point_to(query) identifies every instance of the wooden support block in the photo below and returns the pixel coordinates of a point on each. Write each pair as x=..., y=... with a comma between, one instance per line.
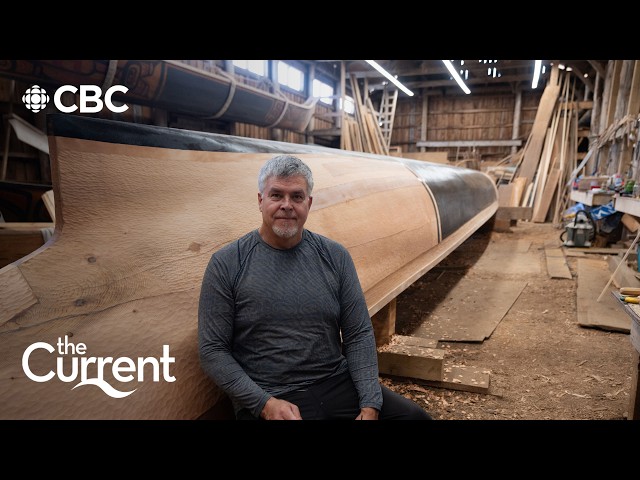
x=502, y=225
x=384, y=323
x=463, y=377
x=514, y=213
x=406, y=360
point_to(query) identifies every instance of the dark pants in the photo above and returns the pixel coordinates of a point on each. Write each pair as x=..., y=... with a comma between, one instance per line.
x=337, y=399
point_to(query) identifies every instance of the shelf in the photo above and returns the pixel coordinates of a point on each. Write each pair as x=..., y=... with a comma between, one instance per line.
x=591, y=199
x=628, y=205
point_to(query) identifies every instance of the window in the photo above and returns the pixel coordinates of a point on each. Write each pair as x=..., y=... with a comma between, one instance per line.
x=290, y=77
x=349, y=105
x=259, y=67
x=323, y=91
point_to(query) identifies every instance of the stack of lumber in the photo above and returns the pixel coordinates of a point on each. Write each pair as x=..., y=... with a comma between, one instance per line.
x=362, y=133
x=549, y=155
x=549, y=164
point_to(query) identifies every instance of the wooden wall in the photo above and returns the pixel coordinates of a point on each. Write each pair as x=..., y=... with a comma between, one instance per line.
x=465, y=117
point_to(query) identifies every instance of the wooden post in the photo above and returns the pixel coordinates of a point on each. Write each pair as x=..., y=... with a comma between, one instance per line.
x=340, y=119
x=384, y=323
x=309, y=88
x=517, y=109
x=595, y=119
x=634, y=401
x=423, y=125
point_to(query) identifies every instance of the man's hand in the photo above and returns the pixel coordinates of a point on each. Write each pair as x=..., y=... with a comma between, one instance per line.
x=368, y=413
x=276, y=409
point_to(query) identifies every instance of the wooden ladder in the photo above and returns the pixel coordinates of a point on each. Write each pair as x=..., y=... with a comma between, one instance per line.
x=387, y=113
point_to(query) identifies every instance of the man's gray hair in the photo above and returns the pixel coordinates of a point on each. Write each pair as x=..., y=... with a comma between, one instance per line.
x=285, y=166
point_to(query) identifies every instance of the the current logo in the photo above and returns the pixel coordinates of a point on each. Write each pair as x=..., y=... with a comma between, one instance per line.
x=90, y=99
x=78, y=367
x=35, y=98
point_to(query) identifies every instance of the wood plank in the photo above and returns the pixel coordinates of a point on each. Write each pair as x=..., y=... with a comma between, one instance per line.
x=550, y=188
x=539, y=130
x=469, y=143
x=505, y=195
x=435, y=157
x=33, y=227
x=411, y=361
x=593, y=275
x=596, y=250
x=556, y=263
x=472, y=313
x=465, y=378
x=15, y=294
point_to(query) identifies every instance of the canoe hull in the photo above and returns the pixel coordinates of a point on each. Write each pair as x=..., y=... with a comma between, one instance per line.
x=140, y=210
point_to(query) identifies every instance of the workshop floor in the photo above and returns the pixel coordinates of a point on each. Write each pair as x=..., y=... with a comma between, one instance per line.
x=541, y=363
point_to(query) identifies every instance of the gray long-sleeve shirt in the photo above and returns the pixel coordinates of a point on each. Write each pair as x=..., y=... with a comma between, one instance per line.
x=271, y=321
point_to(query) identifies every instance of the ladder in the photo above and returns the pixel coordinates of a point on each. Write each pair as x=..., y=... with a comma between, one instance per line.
x=387, y=113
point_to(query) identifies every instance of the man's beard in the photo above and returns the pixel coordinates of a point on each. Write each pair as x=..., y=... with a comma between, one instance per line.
x=286, y=232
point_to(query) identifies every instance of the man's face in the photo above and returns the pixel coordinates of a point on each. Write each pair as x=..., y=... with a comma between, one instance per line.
x=285, y=206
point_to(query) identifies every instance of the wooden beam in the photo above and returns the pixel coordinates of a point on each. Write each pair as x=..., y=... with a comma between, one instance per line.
x=597, y=67
x=583, y=105
x=410, y=357
x=546, y=108
x=423, y=124
x=470, y=143
x=384, y=323
x=517, y=109
x=633, y=107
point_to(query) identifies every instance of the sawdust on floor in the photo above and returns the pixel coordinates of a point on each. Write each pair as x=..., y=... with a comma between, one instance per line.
x=543, y=365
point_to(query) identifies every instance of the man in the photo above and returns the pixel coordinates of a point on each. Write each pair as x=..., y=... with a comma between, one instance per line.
x=283, y=325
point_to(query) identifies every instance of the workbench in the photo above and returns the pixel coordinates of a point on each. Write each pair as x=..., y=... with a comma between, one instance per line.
x=633, y=310
x=628, y=205
x=588, y=197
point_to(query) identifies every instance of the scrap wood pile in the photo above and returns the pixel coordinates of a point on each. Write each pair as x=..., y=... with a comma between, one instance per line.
x=362, y=133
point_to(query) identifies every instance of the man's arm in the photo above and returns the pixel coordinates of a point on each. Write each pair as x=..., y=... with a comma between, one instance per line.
x=359, y=342
x=215, y=333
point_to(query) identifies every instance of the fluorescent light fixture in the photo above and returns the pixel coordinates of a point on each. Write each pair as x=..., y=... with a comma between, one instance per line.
x=391, y=78
x=455, y=75
x=536, y=74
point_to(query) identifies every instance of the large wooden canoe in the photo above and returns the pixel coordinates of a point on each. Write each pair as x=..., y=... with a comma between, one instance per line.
x=139, y=211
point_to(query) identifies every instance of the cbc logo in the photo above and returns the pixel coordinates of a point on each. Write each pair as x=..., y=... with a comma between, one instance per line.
x=36, y=99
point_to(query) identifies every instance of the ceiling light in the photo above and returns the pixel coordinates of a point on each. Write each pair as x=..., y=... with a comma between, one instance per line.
x=395, y=81
x=455, y=75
